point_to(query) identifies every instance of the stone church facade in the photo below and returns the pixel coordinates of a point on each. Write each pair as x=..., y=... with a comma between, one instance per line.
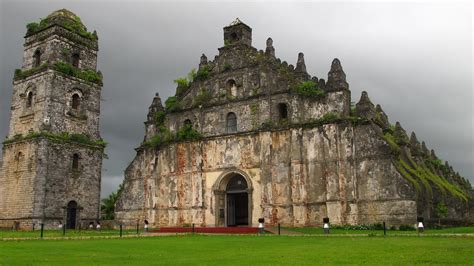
x=249, y=136
x=52, y=156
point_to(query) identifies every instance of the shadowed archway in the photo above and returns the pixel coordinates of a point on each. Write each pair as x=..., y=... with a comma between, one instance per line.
x=233, y=197
x=71, y=215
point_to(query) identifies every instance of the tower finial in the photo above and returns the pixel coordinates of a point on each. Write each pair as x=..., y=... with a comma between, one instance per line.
x=270, y=50
x=365, y=108
x=336, y=77
x=202, y=61
x=300, y=65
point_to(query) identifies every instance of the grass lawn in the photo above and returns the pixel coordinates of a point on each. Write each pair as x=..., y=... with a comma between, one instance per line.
x=59, y=233
x=319, y=231
x=242, y=250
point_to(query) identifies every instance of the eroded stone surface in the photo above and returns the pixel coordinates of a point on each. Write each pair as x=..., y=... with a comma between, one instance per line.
x=300, y=164
x=38, y=179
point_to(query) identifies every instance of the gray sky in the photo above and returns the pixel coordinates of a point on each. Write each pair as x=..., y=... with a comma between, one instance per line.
x=415, y=60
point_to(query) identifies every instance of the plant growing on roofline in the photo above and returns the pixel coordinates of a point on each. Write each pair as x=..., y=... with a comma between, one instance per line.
x=59, y=137
x=74, y=25
x=63, y=67
x=309, y=89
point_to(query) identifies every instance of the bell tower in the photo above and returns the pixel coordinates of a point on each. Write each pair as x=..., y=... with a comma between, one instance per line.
x=52, y=157
x=238, y=33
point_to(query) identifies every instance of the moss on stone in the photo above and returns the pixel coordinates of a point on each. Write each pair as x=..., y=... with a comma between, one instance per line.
x=72, y=23
x=59, y=137
x=87, y=74
x=202, y=98
x=309, y=89
x=172, y=104
x=388, y=137
x=21, y=74
x=407, y=176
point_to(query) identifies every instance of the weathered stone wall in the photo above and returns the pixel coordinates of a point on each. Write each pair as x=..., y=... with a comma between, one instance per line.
x=320, y=159
x=58, y=44
x=51, y=107
x=17, y=182
x=298, y=176
x=38, y=180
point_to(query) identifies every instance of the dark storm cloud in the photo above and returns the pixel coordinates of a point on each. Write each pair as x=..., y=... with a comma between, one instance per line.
x=413, y=59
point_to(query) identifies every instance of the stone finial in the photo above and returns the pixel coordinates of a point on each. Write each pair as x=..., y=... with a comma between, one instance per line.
x=336, y=77
x=291, y=67
x=203, y=61
x=365, y=108
x=381, y=118
x=433, y=154
x=425, y=150
x=270, y=50
x=236, y=22
x=155, y=106
x=300, y=65
x=400, y=134
x=322, y=84
x=414, y=144
x=413, y=139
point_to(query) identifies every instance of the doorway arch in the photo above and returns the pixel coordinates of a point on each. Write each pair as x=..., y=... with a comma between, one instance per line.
x=237, y=203
x=233, y=194
x=71, y=215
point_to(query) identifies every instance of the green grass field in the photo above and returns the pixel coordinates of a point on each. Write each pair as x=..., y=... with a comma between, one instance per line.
x=58, y=233
x=319, y=231
x=242, y=250
x=305, y=230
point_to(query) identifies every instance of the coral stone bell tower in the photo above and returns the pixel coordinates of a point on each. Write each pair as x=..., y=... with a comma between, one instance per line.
x=52, y=156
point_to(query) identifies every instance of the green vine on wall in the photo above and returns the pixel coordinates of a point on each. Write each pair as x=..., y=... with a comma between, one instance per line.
x=59, y=137
x=421, y=171
x=309, y=89
x=74, y=25
x=63, y=67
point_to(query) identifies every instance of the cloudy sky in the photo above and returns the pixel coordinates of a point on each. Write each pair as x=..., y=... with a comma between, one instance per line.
x=413, y=59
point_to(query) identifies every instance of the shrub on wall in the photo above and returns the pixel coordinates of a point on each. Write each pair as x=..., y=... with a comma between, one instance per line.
x=309, y=89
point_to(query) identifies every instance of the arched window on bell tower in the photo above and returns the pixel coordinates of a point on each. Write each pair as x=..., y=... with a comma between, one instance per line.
x=37, y=58
x=188, y=123
x=282, y=111
x=231, y=123
x=75, y=161
x=29, y=99
x=75, y=60
x=231, y=88
x=75, y=101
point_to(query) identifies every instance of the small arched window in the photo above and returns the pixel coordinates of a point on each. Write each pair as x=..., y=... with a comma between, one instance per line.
x=75, y=161
x=234, y=36
x=75, y=60
x=29, y=99
x=76, y=101
x=232, y=87
x=18, y=161
x=188, y=122
x=282, y=111
x=37, y=58
x=231, y=123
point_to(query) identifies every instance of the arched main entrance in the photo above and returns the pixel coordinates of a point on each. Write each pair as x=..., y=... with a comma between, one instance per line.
x=71, y=212
x=237, y=201
x=233, y=199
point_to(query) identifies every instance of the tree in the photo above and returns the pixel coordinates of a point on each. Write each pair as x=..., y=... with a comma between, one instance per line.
x=107, y=206
x=441, y=211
